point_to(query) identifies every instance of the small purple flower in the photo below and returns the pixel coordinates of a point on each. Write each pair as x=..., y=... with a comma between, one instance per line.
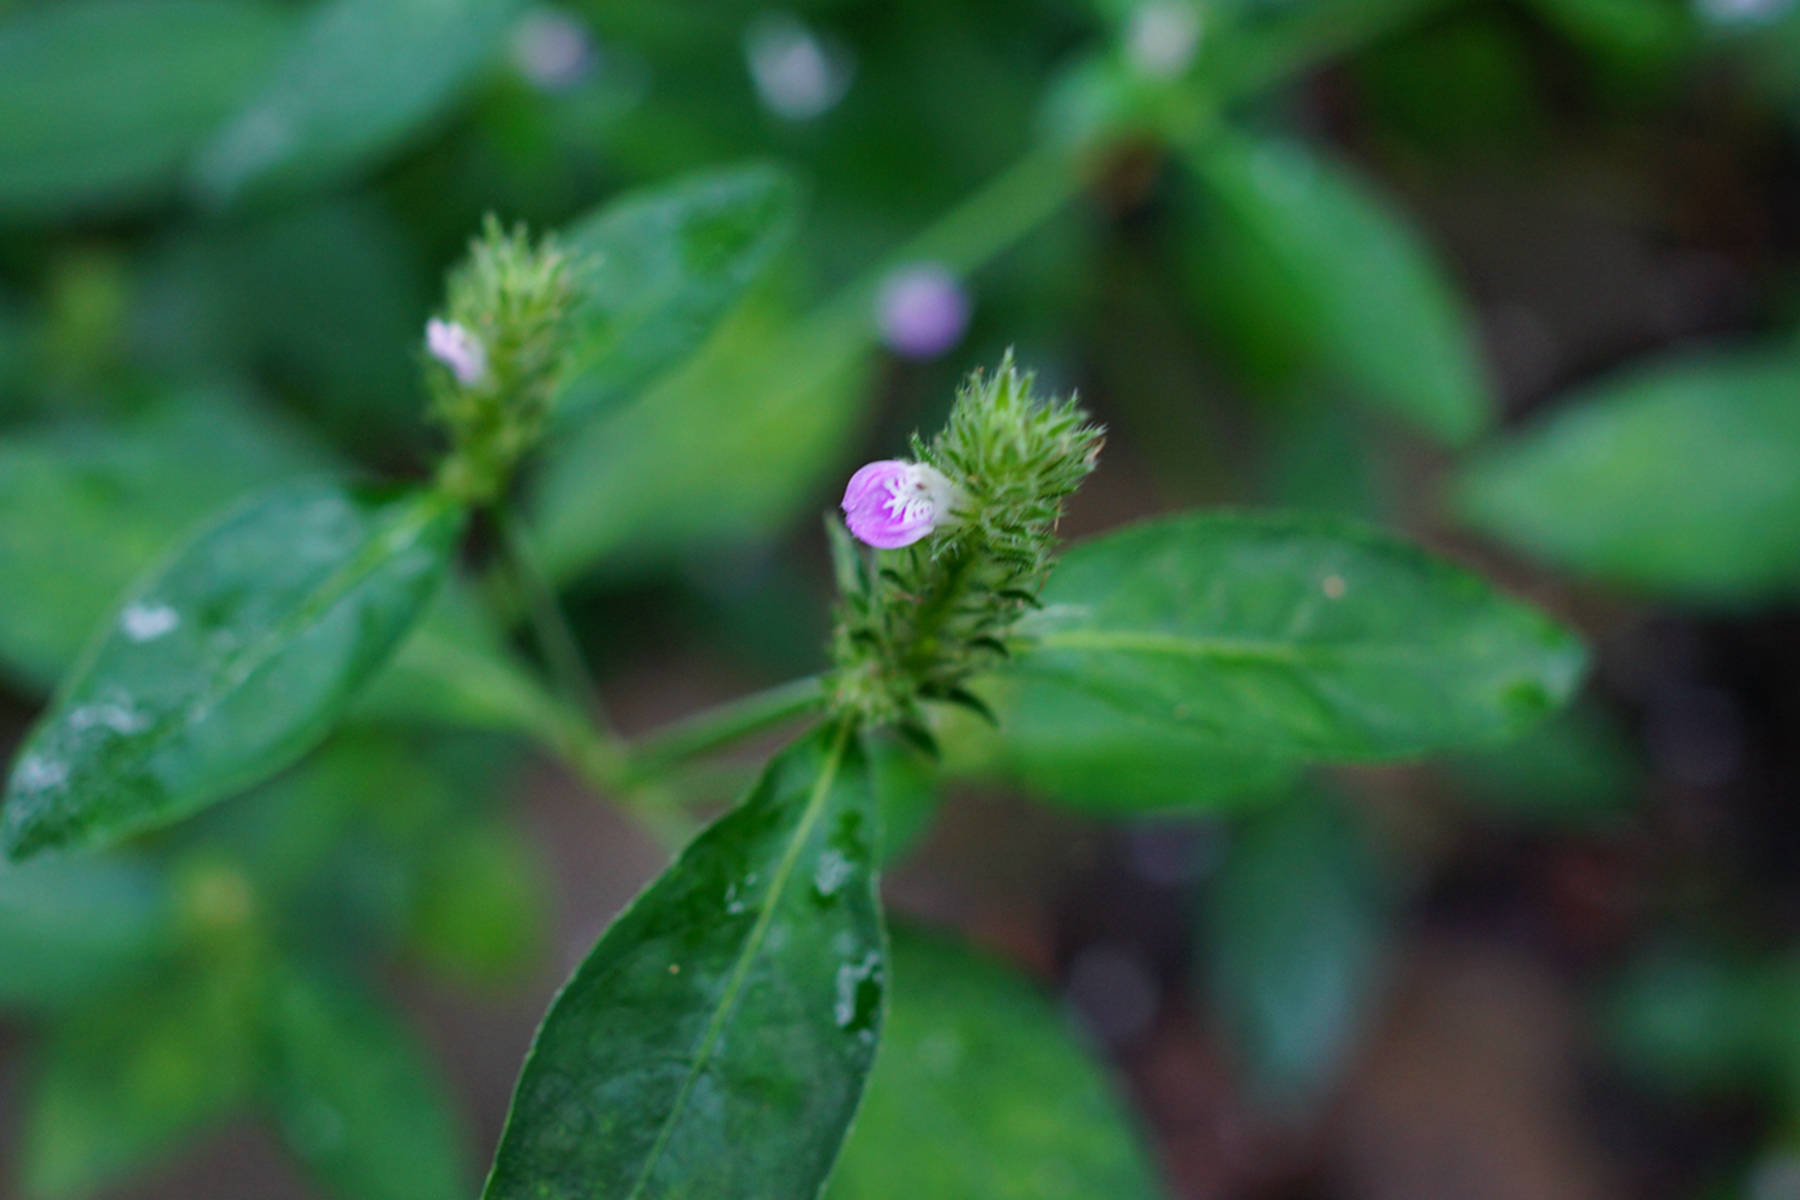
x=894, y=503
x=457, y=349
x=922, y=311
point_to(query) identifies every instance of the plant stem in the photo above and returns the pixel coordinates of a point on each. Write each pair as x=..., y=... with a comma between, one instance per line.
x=550, y=628
x=726, y=723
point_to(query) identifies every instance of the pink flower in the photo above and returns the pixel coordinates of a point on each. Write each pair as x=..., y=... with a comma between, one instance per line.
x=457, y=349
x=894, y=503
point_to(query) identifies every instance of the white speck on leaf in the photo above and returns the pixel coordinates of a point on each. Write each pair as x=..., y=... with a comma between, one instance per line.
x=147, y=622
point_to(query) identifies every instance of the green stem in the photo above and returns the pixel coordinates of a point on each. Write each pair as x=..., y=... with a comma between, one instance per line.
x=550, y=628
x=720, y=726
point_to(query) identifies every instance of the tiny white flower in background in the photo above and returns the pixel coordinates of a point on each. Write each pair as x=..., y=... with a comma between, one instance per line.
x=457, y=349
x=552, y=49
x=797, y=74
x=921, y=311
x=1161, y=37
x=1742, y=12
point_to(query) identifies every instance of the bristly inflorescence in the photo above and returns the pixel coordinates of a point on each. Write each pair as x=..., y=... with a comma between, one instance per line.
x=916, y=623
x=499, y=350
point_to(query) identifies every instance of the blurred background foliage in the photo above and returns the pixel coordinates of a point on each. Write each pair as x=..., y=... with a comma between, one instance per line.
x=1520, y=277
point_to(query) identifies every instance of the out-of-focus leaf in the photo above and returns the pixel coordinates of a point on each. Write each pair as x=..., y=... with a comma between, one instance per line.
x=329, y=299
x=907, y=794
x=1297, y=923
x=483, y=908
x=1690, y=1020
x=1353, y=282
x=716, y=1040
x=1085, y=753
x=719, y=453
x=354, y=1097
x=101, y=101
x=1678, y=479
x=1645, y=34
x=1575, y=769
x=658, y=269
x=230, y=661
x=982, y=1090
x=358, y=79
x=1293, y=635
x=69, y=929
x=121, y=1085
x=84, y=510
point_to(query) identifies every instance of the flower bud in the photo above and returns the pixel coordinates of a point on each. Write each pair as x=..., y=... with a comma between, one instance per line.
x=457, y=349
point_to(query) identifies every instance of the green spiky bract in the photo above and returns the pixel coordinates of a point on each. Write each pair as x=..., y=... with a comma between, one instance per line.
x=915, y=624
x=515, y=297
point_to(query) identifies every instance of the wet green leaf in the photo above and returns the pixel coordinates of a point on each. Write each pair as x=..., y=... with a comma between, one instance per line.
x=85, y=509
x=228, y=662
x=1677, y=478
x=358, y=79
x=1347, y=277
x=658, y=269
x=982, y=1090
x=101, y=101
x=354, y=1097
x=716, y=1040
x=1297, y=924
x=1294, y=635
x=72, y=928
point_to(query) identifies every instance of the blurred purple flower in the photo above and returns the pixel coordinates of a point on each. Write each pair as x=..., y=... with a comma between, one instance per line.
x=552, y=49
x=894, y=503
x=457, y=349
x=922, y=311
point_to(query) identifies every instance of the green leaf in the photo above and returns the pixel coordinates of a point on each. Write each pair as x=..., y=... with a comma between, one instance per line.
x=483, y=905
x=360, y=78
x=981, y=1090
x=907, y=794
x=716, y=1041
x=1347, y=277
x=1677, y=479
x=1297, y=923
x=1082, y=752
x=718, y=453
x=354, y=1097
x=1294, y=635
x=75, y=927
x=101, y=101
x=658, y=269
x=122, y=1085
x=84, y=510
x=1575, y=770
x=227, y=663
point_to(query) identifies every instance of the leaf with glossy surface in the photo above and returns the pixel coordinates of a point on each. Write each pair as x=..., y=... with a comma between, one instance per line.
x=716, y=1040
x=981, y=1090
x=101, y=101
x=360, y=77
x=1348, y=278
x=85, y=509
x=229, y=662
x=1298, y=921
x=72, y=928
x=1084, y=753
x=354, y=1097
x=1294, y=635
x=658, y=269
x=1677, y=479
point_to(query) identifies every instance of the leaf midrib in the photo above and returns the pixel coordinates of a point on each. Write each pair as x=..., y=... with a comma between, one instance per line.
x=815, y=804
x=1178, y=645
